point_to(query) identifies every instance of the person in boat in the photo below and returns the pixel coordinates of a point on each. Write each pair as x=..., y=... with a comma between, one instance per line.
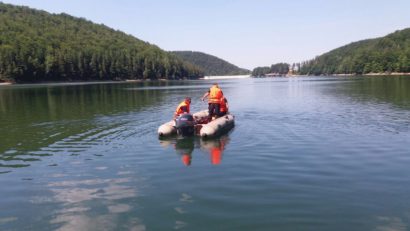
x=183, y=107
x=223, y=110
x=214, y=95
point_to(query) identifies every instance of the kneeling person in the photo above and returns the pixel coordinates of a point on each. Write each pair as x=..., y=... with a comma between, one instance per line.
x=183, y=107
x=223, y=107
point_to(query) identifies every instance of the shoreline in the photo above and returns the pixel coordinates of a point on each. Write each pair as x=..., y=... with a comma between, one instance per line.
x=81, y=82
x=387, y=74
x=164, y=80
x=376, y=74
x=341, y=75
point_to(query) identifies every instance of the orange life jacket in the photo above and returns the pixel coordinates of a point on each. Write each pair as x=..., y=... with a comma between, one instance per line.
x=179, y=109
x=224, y=106
x=215, y=94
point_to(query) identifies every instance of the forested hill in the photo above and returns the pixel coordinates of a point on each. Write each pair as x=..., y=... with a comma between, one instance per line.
x=39, y=46
x=381, y=55
x=210, y=64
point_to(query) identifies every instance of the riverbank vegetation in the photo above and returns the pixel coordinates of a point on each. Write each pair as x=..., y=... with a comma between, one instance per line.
x=38, y=46
x=275, y=69
x=389, y=55
x=210, y=64
x=386, y=55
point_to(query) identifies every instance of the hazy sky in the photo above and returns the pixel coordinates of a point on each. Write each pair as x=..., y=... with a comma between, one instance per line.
x=247, y=33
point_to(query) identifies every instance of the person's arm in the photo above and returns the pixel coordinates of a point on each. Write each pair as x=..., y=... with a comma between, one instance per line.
x=205, y=95
x=176, y=113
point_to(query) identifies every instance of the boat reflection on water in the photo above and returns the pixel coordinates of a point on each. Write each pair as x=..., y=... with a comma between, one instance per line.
x=185, y=146
x=215, y=148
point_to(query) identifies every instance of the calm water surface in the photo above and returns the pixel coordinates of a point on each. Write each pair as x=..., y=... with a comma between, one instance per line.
x=306, y=154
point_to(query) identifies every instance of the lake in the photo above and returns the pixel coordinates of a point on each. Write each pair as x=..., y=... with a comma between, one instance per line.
x=306, y=153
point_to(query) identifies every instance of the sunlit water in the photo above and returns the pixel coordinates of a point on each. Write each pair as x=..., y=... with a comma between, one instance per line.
x=305, y=154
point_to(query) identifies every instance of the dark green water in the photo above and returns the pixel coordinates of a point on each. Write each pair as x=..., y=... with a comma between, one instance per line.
x=306, y=154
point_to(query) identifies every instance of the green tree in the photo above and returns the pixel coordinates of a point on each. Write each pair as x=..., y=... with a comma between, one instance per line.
x=38, y=46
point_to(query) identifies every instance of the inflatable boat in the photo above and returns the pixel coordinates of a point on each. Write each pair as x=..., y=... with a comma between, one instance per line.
x=197, y=124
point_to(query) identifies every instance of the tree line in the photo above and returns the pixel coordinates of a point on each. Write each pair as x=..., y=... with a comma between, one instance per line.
x=210, y=64
x=381, y=55
x=39, y=46
x=278, y=69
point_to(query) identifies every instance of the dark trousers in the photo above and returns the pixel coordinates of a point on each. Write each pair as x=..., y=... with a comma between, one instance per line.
x=213, y=109
x=222, y=114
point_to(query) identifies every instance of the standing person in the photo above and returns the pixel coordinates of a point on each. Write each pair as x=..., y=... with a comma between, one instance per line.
x=214, y=95
x=183, y=107
x=223, y=107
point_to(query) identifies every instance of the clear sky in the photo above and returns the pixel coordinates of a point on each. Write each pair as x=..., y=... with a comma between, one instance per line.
x=247, y=33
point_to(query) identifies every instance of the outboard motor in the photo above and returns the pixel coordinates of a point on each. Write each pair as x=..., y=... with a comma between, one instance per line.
x=185, y=125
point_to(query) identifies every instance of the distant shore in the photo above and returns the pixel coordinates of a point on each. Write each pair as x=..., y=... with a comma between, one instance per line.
x=387, y=74
x=375, y=74
x=226, y=77
x=118, y=81
x=205, y=78
x=86, y=82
